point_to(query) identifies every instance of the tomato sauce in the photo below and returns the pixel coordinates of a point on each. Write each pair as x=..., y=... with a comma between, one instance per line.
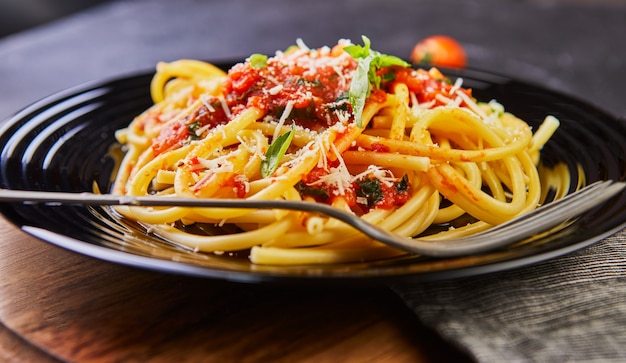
x=315, y=83
x=360, y=200
x=309, y=88
x=392, y=196
x=427, y=85
x=172, y=135
x=240, y=185
x=378, y=147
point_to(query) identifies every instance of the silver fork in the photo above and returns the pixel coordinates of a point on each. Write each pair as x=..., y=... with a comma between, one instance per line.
x=539, y=220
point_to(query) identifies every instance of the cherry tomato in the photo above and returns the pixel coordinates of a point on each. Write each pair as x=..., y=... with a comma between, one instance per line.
x=439, y=51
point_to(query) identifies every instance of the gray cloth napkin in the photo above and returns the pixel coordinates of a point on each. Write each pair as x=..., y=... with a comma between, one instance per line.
x=570, y=309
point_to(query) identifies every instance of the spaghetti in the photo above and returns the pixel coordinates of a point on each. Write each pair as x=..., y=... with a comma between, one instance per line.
x=403, y=148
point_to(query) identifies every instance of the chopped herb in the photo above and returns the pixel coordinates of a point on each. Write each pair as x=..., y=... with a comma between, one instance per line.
x=258, y=61
x=275, y=153
x=338, y=106
x=320, y=194
x=192, y=128
x=403, y=185
x=278, y=111
x=369, y=189
x=302, y=113
x=369, y=61
x=341, y=103
x=305, y=82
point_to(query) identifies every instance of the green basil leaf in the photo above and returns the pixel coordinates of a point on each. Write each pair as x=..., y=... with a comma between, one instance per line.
x=386, y=60
x=192, y=128
x=357, y=51
x=369, y=61
x=275, y=152
x=359, y=90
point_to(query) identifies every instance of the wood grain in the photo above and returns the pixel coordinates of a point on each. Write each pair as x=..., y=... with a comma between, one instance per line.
x=59, y=305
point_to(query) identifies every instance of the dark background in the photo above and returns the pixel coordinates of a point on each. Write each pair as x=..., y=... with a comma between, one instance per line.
x=16, y=15
x=577, y=47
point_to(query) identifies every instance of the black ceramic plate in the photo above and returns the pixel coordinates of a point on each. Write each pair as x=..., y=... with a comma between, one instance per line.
x=66, y=143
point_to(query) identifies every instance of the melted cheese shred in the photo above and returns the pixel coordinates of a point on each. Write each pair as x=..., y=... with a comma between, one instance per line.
x=457, y=157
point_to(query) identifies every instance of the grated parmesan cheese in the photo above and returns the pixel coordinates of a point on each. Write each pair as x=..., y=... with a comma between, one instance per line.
x=283, y=118
x=275, y=90
x=471, y=104
x=384, y=176
x=301, y=45
x=457, y=85
x=205, y=101
x=338, y=177
x=225, y=106
x=219, y=164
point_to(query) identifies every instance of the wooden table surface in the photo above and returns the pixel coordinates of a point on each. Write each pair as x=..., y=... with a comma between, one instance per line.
x=58, y=305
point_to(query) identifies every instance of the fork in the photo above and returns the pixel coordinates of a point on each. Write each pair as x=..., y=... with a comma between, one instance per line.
x=517, y=229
